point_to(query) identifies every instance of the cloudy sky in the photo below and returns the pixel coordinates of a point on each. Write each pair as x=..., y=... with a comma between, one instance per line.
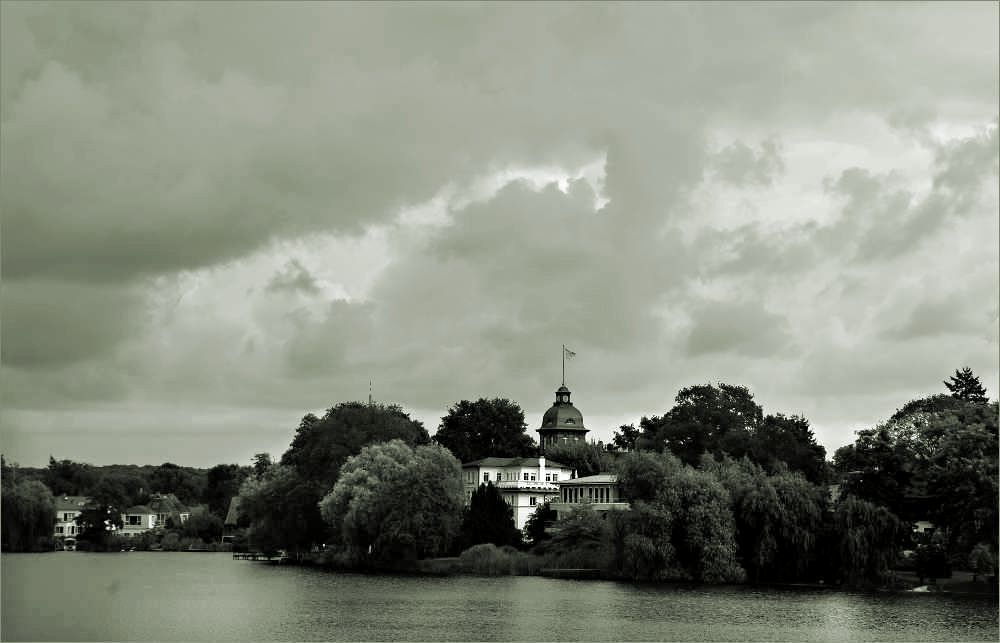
x=219, y=217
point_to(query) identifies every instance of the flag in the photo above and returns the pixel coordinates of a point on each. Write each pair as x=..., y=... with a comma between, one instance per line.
x=569, y=353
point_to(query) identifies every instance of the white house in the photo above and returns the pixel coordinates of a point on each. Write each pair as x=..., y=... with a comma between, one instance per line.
x=600, y=492
x=67, y=509
x=524, y=483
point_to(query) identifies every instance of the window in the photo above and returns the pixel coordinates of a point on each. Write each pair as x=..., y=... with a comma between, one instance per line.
x=525, y=476
x=499, y=476
x=486, y=476
x=67, y=517
x=555, y=477
x=59, y=529
x=533, y=477
x=133, y=520
x=532, y=501
x=548, y=477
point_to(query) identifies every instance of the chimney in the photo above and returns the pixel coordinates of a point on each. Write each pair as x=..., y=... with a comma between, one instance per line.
x=541, y=468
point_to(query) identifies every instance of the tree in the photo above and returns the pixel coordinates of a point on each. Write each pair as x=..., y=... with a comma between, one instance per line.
x=98, y=524
x=68, y=478
x=204, y=525
x=28, y=515
x=475, y=430
x=489, y=519
x=964, y=385
x=393, y=502
x=222, y=482
x=625, y=438
x=704, y=418
x=866, y=541
x=283, y=501
x=535, y=529
x=184, y=482
x=787, y=440
x=586, y=458
x=982, y=561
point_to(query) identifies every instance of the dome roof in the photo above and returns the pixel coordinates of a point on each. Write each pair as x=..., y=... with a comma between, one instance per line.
x=562, y=415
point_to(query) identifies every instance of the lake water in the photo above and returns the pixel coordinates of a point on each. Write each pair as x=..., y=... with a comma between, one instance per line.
x=77, y=596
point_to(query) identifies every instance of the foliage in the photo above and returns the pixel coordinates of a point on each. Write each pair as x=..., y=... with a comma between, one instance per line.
x=487, y=427
x=186, y=483
x=98, y=525
x=867, y=537
x=932, y=561
x=203, y=525
x=222, y=482
x=982, y=560
x=586, y=458
x=68, y=478
x=281, y=509
x=282, y=501
x=642, y=474
x=624, y=438
x=777, y=517
x=964, y=385
x=489, y=519
x=935, y=459
x=393, y=502
x=487, y=559
x=28, y=515
x=580, y=540
x=535, y=527
x=725, y=419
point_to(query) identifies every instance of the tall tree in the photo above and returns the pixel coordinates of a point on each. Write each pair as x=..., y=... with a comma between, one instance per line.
x=28, y=515
x=222, y=482
x=586, y=458
x=489, y=519
x=65, y=477
x=964, y=385
x=475, y=430
x=705, y=418
x=393, y=502
x=625, y=438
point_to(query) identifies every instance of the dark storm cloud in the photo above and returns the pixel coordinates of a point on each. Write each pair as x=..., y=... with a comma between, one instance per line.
x=294, y=277
x=155, y=157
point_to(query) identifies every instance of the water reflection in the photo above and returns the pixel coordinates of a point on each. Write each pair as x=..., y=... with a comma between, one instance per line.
x=197, y=597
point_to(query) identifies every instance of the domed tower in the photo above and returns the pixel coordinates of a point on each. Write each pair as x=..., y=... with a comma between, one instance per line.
x=562, y=422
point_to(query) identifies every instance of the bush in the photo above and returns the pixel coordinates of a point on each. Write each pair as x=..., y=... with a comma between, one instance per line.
x=489, y=560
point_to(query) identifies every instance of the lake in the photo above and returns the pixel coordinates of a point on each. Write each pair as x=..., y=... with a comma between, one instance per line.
x=77, y=596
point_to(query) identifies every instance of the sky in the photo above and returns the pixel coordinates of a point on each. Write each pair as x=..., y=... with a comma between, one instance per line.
x=217, y=218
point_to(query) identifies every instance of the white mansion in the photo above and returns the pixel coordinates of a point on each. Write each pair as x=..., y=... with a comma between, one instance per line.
x=526, y=483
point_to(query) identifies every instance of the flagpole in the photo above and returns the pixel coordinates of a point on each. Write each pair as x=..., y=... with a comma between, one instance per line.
x=564, y=365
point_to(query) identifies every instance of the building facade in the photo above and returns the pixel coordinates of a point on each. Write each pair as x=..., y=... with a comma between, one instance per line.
x=599, y=492
x=524, y=483
x=67, y=509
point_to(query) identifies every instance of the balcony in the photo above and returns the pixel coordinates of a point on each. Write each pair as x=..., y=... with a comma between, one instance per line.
x=528, y=485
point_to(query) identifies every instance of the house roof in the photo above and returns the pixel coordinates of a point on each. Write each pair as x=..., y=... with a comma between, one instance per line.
x=600, y=478
x=139, y=509
x=233, y=515
x=71, y=503
x=512, y=462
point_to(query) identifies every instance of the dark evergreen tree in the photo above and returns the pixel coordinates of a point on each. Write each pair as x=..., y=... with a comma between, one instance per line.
x=534, y=528
x=489, y=519
x=475, y=430
x=964, y=385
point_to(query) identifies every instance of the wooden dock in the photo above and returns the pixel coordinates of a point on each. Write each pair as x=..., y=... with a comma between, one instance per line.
x=258, y=555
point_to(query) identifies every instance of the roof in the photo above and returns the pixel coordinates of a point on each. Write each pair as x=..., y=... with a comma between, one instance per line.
x=562, y=415
x=233, y=515
x=600, y=478
x=71, y=503
x=139, y=509
x=512, y=462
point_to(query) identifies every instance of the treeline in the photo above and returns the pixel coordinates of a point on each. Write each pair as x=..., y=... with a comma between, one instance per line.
x=30, y=496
